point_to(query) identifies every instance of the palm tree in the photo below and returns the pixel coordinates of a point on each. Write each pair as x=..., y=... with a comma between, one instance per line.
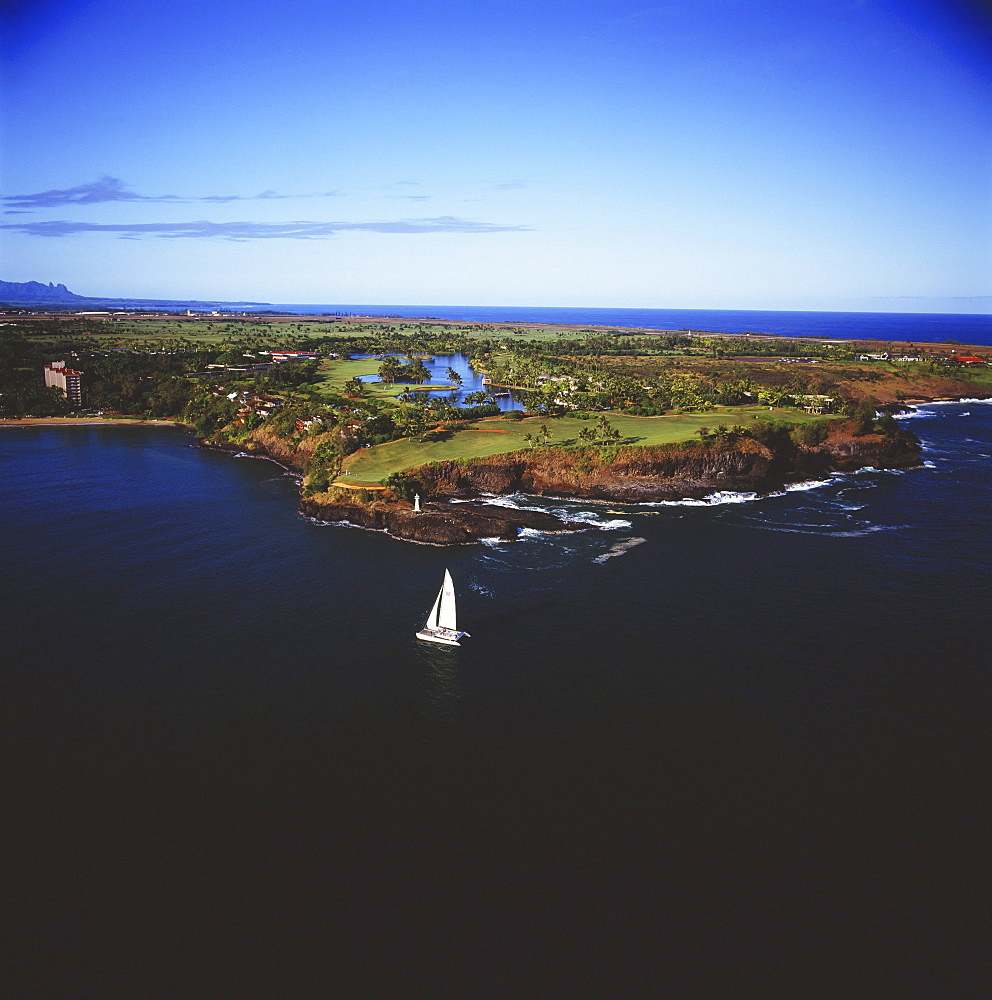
x=529, y=438
x=389, y=369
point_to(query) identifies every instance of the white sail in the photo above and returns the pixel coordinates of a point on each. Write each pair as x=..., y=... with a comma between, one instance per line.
x=446, y=613
x=440, y=626
x=432, y=617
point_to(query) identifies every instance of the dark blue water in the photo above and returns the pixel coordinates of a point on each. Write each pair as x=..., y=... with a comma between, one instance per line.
x=471, y=380
x=723, y=747
x=965, y=328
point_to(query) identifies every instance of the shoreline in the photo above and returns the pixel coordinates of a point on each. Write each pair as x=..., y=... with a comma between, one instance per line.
x=88, y=422
x=460, y=510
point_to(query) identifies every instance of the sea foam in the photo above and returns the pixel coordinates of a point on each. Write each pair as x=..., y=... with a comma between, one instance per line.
x=619, y=549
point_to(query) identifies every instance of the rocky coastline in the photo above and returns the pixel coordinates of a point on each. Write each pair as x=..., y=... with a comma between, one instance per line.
x=640, y=475
x=647, y=475
x=440, y=522
x=454, y=512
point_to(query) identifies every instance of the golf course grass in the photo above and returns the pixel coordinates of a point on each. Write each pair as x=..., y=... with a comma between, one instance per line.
x=495, y=435
x=336, y=373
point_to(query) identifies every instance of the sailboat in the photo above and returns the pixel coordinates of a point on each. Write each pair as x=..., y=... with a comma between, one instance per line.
x=440, y=625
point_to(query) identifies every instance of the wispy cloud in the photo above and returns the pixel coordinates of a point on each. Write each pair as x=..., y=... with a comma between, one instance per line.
x=108, y=189
x=947, y=298
x=259, y=230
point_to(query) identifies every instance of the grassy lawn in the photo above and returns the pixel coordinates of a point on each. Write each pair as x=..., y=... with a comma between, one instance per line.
x=336, y=373
x=372, y=465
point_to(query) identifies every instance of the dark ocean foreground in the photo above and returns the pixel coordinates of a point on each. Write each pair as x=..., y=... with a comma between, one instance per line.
x=727, y=749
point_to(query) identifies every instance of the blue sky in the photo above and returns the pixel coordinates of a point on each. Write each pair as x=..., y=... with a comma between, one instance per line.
x=767, y=154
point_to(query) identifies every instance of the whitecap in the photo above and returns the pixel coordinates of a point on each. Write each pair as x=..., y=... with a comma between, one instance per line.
x=590, y=517
x=619, y=549
x=868, y=530
x=722, y=497
x=507, y=501
x=871, y=468
x=808, y=484
x=712, y=500
x=728, y=496
x=587, y=517
x=855, y=533
x=958, y=402
x=924, y=409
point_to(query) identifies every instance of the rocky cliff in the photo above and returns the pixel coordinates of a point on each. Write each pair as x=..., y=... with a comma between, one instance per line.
x=439, y=523
x=624, y=475
x=637, y=475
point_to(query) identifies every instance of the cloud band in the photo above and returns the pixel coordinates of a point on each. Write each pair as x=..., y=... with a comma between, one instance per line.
x=259, y=230
x=108, y=189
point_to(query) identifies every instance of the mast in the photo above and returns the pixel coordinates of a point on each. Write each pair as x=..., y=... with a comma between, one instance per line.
x=446, y=612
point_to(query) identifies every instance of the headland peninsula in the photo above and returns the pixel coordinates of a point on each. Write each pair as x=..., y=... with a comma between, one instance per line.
x=379, y=416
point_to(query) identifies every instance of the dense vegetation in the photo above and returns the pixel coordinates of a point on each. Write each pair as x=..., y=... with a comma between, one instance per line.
x=217, y=374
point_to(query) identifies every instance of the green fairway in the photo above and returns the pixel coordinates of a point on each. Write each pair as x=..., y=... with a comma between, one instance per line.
x=336, y=373
x=496, y=435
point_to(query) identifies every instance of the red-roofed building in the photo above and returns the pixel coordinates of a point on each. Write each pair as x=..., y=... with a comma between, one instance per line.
x=971, y=359
x=66, y=379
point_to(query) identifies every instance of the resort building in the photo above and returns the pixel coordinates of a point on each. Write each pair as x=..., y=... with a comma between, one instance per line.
x=66, y=379
x=281, y=356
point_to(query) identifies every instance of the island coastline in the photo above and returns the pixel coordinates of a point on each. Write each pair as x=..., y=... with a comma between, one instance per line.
x=454, y=510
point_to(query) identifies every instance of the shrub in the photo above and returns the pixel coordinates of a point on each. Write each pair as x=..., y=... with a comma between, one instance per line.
x=403, y=486
x=864, y=418
x=812, y=434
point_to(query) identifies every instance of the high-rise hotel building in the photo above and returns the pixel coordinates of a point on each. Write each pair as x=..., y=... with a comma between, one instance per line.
x=66, y=379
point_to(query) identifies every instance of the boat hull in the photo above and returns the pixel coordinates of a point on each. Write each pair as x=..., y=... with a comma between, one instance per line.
x=446, y=637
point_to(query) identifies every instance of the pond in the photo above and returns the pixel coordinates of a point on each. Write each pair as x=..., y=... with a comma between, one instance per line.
x=438, y=366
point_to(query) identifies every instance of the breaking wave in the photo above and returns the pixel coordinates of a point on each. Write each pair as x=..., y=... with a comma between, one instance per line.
x=924, y=410
x=520, y=501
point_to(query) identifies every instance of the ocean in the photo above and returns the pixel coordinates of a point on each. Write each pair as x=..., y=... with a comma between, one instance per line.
x=923, y=328
x=721, y=748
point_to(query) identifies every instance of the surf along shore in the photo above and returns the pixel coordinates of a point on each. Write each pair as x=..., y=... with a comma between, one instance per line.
x=454, y=511
x=437, y=524
x=665, y=447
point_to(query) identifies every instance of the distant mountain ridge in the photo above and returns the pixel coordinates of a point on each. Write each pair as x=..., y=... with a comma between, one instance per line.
x=36, y=293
